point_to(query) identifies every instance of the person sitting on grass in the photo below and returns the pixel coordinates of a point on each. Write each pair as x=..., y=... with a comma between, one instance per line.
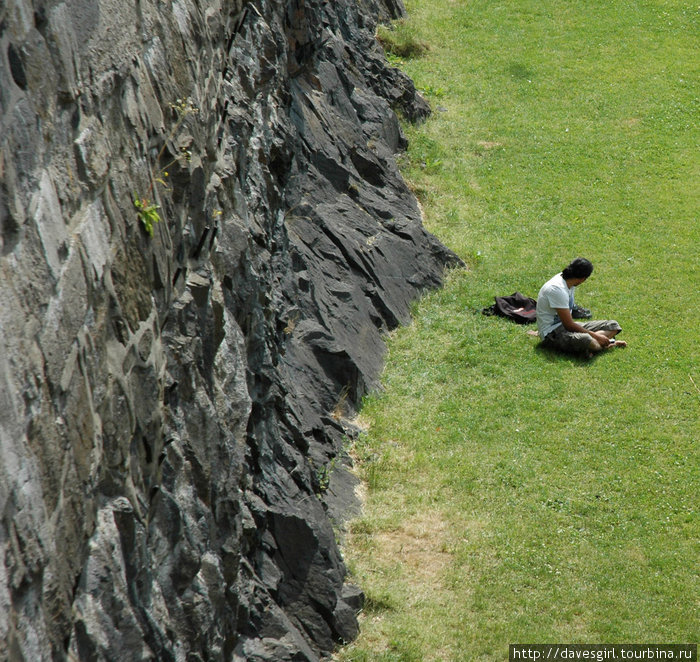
x=555, y=323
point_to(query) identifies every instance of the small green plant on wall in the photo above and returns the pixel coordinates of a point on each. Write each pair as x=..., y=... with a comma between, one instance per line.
x=323, y=475
x=147, y=213
x=146, y=209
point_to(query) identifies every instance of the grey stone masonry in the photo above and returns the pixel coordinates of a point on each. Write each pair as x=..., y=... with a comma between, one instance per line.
x=175, y=403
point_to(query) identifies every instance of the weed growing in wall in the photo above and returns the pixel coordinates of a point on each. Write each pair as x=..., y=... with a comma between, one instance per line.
x=147, y=213
x=146, y=209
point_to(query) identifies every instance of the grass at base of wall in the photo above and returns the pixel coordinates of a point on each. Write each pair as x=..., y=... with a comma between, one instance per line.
x=515, y=495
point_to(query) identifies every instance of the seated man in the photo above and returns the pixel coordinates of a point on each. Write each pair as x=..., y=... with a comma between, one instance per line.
x=557, y=327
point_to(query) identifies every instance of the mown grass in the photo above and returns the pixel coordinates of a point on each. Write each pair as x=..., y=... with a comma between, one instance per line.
x=515, y=495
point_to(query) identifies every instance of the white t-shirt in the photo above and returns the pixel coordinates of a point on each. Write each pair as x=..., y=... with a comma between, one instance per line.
x=554, y=294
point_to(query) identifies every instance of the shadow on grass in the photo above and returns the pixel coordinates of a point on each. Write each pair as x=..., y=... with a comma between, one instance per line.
x=555, y=356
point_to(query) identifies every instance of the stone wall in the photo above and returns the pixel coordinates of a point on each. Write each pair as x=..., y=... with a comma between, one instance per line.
x=174, y=407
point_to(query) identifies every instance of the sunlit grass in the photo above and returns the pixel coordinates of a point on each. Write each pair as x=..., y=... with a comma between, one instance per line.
x=515, y=495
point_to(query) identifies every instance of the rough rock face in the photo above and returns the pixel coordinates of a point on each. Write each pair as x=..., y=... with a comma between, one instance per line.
x=173, y=408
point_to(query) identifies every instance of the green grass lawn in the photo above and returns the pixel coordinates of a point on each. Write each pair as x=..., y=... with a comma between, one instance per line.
x=517, y=496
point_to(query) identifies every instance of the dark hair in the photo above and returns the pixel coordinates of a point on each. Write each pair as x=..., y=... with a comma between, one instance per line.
x=579, y=268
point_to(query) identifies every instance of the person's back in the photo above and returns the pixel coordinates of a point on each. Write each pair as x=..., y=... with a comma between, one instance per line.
x=553, y=294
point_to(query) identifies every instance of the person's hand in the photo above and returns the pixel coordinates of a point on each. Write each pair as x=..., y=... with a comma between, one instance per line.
x=602, y=339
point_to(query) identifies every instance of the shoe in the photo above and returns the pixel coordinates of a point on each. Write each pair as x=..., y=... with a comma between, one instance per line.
x=579, y=313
